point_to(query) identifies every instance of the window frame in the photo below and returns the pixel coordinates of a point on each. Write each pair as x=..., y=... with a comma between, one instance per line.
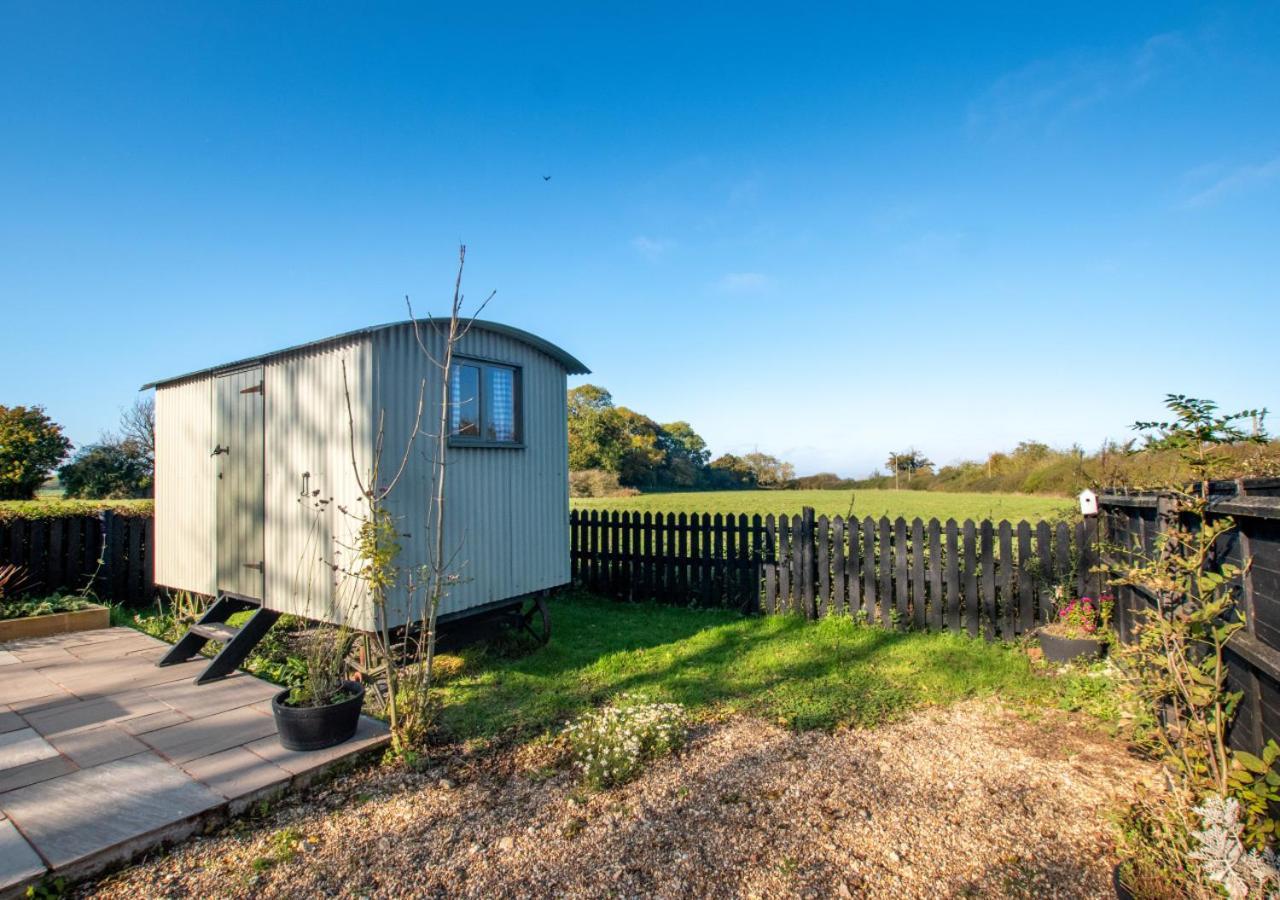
x=482, y=414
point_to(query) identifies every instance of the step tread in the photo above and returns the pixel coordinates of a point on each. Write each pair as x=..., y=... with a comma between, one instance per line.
x=216, y=631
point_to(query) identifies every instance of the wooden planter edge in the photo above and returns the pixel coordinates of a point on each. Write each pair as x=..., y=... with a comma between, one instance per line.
x=55, y=623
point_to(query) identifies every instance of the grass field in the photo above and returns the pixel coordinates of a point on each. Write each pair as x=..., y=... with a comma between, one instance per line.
x=802, y=674
x=908, y=504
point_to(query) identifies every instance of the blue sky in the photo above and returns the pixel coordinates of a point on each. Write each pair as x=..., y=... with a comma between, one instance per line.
x=824, y=233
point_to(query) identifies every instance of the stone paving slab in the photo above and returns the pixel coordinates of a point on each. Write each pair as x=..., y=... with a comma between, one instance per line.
x=94, y=746
x=33, y=772
x=103, y=755
x=18, y=862
x=66, y=819
x=370, y=733
x=237, y=772
x=211, y=734
x=17, y=748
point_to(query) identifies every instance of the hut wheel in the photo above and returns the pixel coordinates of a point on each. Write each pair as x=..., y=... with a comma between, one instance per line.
x=536, y=619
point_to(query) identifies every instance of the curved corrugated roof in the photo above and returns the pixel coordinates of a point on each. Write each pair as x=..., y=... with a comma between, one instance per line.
x=572, y=365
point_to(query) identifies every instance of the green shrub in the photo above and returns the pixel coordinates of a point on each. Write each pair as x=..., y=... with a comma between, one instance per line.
x=597, y=483
x=110, y=470
x=44, y=606
x=612, y=744
x=69, y=509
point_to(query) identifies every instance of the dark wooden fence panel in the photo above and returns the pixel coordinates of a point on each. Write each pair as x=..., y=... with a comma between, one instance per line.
x=63, y=554
x=1132, y=521
x=971, y=576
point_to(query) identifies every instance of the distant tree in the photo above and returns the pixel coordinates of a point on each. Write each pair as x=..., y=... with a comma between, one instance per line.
x=1033, y=451
x=631, y=445
x=110, y=470
x=916, y=461
x=138, y=426
x=589, y=398
x=731, y=471
x=686, y=454
x=769, y=471
x=909, y=461
x=597, y=437
x=31, y=446
x=819, y=481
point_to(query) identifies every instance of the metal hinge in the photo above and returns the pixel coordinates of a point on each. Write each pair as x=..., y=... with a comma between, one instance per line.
x=255, y=389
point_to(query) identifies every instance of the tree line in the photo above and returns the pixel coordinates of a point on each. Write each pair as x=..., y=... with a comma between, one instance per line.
x=613, y=448
x=119, y=465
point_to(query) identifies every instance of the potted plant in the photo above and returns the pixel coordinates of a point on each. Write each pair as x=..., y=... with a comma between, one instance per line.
x=1079, y=631
x=323, y=709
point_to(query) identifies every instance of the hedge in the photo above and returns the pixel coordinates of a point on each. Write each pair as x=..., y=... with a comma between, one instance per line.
x=11, y=510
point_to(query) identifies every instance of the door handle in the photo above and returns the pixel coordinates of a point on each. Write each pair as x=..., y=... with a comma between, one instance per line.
x=218, y=448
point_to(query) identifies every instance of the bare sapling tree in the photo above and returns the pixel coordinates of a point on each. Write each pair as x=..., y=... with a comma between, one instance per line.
x=409, y=663
x=442, y=570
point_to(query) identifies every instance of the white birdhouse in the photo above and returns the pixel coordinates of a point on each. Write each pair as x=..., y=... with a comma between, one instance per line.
x=1088, y=502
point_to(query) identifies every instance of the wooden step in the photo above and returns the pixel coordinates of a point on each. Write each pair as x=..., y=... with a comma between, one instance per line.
x=216, y=631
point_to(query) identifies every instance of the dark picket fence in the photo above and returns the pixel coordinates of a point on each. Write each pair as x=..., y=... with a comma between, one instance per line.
x=1135, y=520
x=62, y=554
x=989, y=578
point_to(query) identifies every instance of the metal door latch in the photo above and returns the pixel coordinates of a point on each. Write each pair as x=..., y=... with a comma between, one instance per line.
x=218, y=448
x=256, y=565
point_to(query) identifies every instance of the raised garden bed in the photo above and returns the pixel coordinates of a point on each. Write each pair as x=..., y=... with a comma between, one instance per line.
x=89, y=618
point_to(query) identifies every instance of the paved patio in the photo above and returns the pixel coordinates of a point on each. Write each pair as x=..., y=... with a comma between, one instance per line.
x=103, y=755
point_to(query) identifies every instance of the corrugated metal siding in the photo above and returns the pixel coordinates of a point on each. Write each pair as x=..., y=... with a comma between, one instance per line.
x=507, y=509
x=184, y=552
x=308, y=450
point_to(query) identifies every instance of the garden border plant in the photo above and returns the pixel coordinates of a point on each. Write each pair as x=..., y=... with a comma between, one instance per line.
x=1176, y=665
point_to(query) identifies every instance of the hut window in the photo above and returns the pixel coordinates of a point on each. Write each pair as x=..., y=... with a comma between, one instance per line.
x=484, y=403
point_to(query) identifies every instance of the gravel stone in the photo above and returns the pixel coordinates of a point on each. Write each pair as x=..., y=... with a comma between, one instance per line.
x=969, y=800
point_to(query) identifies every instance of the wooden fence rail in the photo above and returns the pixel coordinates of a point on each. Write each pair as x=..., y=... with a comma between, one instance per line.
x=62, y=554
x=988, y=578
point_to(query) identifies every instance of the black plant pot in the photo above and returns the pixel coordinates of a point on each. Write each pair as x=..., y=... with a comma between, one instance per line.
x=1064, y=649
x=317, y=727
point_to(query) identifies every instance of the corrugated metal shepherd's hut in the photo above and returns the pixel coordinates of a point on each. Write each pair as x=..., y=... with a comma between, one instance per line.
x=254, y=472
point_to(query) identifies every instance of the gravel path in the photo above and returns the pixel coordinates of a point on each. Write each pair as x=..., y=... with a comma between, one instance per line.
x=971, y=800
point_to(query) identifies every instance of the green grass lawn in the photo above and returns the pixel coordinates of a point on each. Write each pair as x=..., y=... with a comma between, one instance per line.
x=909, y=504
x=802, y=674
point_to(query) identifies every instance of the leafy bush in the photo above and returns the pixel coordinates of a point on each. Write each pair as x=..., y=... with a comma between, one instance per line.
x=44, y=606
x=31, y=445
x=597, y=483
x=612, y=744
x=69, y=509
